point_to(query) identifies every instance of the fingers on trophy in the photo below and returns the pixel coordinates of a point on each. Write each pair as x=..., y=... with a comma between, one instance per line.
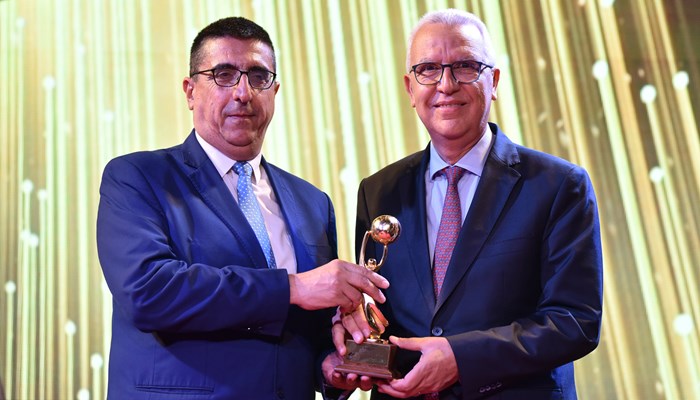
x=374, y=357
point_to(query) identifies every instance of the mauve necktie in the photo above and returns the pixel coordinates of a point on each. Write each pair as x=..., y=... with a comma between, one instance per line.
x=251, y=209
x=450, y=224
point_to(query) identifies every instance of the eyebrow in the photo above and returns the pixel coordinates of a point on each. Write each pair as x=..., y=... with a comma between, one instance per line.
x=229, y=65
x=224, y=65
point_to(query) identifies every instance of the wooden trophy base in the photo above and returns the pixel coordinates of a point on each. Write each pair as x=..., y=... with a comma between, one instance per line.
x=372, y=359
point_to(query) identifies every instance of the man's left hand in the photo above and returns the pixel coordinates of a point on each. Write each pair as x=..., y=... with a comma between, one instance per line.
x=436, y=369
x=343, y=381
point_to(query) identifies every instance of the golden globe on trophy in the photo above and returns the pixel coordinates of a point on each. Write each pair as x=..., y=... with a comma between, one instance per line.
x=373, y=357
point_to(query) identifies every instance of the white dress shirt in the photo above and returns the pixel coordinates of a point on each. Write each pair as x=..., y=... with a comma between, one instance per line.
x=272, y=214
x=436, y=185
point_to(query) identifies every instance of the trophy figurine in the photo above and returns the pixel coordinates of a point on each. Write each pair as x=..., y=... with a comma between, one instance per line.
x=374, y=356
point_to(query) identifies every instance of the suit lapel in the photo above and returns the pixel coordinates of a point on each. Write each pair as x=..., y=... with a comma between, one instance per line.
x=293, y=217
x=414, y=227
x=496, y=183
x=213, y=191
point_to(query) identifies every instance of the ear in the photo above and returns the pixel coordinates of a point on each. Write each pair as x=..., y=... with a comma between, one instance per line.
x=188, y=88
x=276, y=86
x=409, y=88
x=496, y=78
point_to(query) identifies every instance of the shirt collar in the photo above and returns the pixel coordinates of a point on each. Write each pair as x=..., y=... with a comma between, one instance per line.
x=223, y=163
x=473, y=161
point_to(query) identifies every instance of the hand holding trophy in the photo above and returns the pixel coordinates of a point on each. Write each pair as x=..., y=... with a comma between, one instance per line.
x=374, y=356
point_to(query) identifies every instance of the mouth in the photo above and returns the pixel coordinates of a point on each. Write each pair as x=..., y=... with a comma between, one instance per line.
x=447, y=105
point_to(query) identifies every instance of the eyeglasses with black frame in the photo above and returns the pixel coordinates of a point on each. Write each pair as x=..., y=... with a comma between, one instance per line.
x=430, y=73
x=258, y=78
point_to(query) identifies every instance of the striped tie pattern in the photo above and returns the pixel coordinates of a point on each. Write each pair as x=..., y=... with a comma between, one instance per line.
x=251, y=209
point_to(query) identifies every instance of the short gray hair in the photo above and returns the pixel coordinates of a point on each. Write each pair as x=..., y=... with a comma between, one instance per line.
x=453, y=17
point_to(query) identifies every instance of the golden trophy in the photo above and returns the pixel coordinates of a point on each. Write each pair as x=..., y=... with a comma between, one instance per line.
x=373, y=357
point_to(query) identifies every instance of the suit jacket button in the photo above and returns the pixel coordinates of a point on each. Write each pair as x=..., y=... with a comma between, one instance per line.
x=437, y=331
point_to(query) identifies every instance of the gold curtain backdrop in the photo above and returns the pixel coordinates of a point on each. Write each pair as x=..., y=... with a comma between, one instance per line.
x=611, y=85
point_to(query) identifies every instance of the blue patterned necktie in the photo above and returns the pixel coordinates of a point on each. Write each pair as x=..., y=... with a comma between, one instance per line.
x=251, y=209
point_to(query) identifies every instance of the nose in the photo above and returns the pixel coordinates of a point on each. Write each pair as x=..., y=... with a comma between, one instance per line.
x=448, y=83
x=242, y=91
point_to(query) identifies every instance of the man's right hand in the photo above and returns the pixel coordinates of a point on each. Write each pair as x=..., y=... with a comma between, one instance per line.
x=338, y=283
x=356, y=325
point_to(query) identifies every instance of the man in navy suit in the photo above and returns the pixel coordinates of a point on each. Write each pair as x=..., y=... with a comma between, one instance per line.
x=206, y=306
x=501, y=302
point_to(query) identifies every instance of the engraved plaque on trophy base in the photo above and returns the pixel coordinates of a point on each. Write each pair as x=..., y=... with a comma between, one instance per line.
x=372, y=359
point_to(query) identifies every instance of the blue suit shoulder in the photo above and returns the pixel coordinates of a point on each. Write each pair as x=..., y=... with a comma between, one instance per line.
x=145, y=159
x=294, y=180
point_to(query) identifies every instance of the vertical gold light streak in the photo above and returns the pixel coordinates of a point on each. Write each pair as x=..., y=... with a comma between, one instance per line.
x=9, y=378
x=24, y=292
x=187, y=19
x=122, y=138
x=661, y=60
x=7, y=98
x=528, y=83
x=17, y=74
x=145, y=72
x=649, y=227
x=506, y=104
x=47, y=207
x=635, y=229
x=362, y=82
x=661, y=65
x=627, y=387
x=69, y=331
x=433, y=5
x=106, y=309
x=686, y=239
x=99, y=85
x=333, y=165
x=135, y=82
x=692, y=144
x=369, y=78
x=294, y=95
x=392, y=140
x=316, y=98
x=282, y=132
x=620, y=356
x=56, y=117
x=349, y=175
x=673, y=232
x=640, y=205
x=462, y=5
x=81, y=225
x=564, y=81
x=45, y=305
x=421, y=133
x=96, y=363
x=410, y=16
x=32, y=273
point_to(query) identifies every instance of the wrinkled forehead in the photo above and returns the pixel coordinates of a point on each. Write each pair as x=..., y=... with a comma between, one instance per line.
x=438, y=42
x=240, y=53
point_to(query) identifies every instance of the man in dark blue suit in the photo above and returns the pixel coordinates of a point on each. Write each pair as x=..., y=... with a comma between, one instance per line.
x=496, y=280
x=222, y=266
